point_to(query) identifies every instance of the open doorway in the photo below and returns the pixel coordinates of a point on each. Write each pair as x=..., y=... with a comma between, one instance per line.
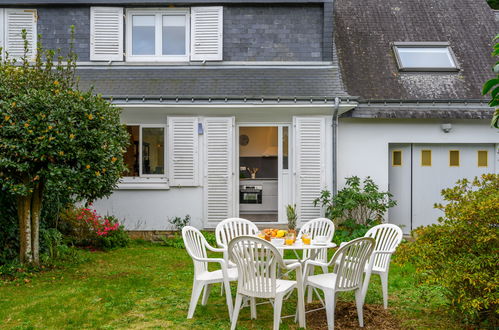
x=259, y=173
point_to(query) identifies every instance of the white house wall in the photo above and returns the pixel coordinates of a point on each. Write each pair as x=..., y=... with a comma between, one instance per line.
x=147, y=209
x=363, y=144
x=150, y=209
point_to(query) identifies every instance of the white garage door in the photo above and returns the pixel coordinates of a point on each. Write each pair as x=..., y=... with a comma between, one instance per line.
x=418, y=173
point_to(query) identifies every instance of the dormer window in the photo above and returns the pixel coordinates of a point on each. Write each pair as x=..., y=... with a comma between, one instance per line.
x=158, y=35
x=424, y=56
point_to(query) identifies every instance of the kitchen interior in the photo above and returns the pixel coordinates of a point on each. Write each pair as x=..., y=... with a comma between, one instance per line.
x=258, y=173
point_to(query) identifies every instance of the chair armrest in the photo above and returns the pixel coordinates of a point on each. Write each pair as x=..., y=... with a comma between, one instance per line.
x=310, y=263
x=316, y=263
x=342, y=244
x=218, y=260
x=214, y=249
x=292, y=266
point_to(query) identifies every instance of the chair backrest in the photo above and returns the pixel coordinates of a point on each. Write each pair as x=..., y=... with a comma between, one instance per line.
x=257, y=264
x=349, y=262
x=388, y=237
x=231, y=228
x=318, y=227
x=195, y=244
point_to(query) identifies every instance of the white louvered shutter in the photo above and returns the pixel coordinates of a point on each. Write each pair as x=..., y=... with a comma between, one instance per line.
x=17, y=20
x=218, y=165
x=310, y=133
x=206, y=33
x=2, y=29
x=183, y=151
x=106, y=34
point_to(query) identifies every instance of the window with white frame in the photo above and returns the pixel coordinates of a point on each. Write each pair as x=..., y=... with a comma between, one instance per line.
x=425, y=56
x=158, y=34
x=145, y=155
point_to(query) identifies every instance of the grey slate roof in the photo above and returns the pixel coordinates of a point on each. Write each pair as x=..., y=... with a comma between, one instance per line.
x=364, y=30
x=453, y=110
x=119, y=82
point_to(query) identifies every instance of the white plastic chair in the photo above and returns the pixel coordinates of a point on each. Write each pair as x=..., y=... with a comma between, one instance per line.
x=388, y=237
x=314, y=228
x=196, y=245
x=349, y=262
x=258, y=263
x=231, y=228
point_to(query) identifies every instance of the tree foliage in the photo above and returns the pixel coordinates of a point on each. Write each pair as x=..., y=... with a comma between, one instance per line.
x=494, y=4
x=492, y=87
x=460, y=253
x=53, y=137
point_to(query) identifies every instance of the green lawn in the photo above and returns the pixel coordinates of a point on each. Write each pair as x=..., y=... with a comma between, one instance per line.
x=148, y=286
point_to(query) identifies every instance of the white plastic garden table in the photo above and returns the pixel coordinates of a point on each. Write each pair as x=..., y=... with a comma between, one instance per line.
x=300, y=246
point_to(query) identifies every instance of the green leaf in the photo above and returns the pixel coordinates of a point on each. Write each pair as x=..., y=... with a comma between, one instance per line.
x=489, y=85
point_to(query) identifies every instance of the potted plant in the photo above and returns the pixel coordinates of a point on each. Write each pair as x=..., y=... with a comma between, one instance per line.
x=291, y=214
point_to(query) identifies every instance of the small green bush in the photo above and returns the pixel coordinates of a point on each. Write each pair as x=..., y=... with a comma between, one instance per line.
x=460, y=254
x=358, y=202
x=179, y=222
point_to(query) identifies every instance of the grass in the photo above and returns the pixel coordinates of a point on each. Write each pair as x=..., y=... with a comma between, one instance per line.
x=148, y=286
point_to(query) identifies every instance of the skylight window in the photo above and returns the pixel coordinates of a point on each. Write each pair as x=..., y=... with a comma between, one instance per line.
x=428, y=56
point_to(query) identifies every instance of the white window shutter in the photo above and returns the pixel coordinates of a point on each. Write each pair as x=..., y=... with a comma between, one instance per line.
x=183, y=151
x=206, y=33
x=310, y=151
x=17, y=20
x=106, y=34
x=2, y=30
x=219, y=171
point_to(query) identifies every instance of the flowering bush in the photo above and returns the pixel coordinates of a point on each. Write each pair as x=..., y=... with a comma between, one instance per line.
x=100, y=226
x=87, y=228
x=460, y=253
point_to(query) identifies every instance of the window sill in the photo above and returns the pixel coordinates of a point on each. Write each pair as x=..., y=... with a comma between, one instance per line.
x=143, y=184
x=165, y=59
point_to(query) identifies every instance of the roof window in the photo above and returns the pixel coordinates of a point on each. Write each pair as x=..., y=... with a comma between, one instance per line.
x=424, y=56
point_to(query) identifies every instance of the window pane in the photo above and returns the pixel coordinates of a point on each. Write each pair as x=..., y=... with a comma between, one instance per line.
x=483, y=160
x=153, y=150
x=131, y=156
x=425, y=157
x=454, y=158
x=143, y=35
x=285, y=148
x=397, y=158
x=430, y=57
x=174, y=35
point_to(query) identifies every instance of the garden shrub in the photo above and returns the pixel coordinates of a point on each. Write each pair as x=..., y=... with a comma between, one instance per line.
x=179, y=222
x=357, y=202
x=9, y=228
x=460, y=253
x=84, y=227
x=55, y=251
x=349, y=230
x=355, y=208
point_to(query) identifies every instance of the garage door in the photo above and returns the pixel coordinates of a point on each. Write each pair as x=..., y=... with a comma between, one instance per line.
x=418, y=173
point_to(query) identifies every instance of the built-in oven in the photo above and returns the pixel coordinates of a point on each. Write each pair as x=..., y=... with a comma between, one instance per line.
x=250, y=194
